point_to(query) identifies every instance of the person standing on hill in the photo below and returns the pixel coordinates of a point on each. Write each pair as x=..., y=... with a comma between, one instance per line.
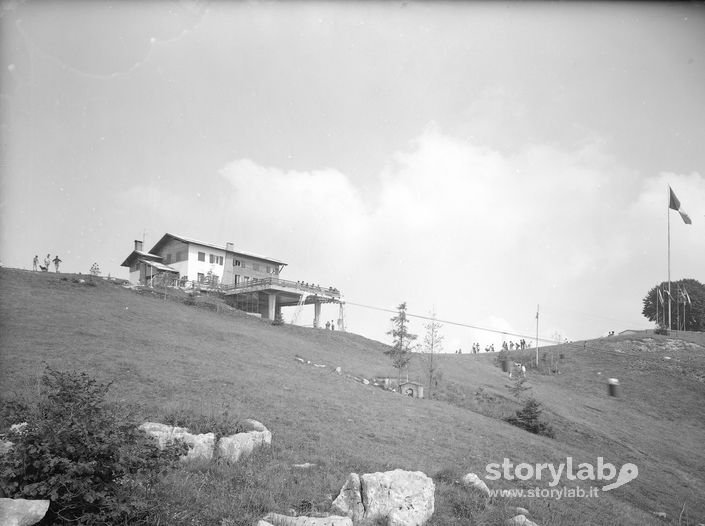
x=47, y=261
x=35, y=263
x=56, y=263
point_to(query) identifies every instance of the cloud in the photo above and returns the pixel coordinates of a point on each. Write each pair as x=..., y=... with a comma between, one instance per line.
x=480, y=235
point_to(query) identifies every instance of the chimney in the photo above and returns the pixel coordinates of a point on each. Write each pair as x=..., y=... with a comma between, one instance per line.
x=138, y=245
x=229, y=247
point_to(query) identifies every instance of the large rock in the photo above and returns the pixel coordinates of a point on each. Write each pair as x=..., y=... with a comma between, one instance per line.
x=349, y=501
x=275, y=519
x=236, y=446
x=399, y=498
x=472, y=481
x=520, y=520
x=200, y=446
x=22, y=512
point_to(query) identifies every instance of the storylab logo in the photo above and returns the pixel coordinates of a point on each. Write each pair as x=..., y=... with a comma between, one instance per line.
x=600, y=472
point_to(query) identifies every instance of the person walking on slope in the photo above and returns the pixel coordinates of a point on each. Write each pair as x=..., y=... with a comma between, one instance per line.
x=56, y=263
x=47, y=261
x=35, y=263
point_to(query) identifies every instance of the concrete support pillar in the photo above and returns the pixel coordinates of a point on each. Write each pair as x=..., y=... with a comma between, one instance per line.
x=271, y=306
x=316, y=315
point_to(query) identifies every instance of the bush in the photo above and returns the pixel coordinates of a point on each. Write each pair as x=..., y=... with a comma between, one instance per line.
x=86, y=456
x=529, y=419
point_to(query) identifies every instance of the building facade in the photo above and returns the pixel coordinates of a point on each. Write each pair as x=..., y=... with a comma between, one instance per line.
x=194, y=261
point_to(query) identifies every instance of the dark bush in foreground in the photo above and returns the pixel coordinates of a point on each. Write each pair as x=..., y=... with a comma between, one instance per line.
x=83, y=454
x=529, y=419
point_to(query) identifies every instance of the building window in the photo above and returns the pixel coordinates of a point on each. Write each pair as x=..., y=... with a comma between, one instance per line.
x=216, y=259
x=201, y=256
x=201, y=277
x=168, y=259
x=180, y=256
x=269, y=269
x=236, y=263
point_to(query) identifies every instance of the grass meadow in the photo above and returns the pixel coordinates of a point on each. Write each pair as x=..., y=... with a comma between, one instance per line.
x=206, y=365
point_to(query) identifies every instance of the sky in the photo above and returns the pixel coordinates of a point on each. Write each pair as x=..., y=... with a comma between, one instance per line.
x=472, y=159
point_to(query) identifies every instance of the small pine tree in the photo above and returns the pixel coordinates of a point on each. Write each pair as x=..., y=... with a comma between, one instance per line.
x=402, y=339
x=529, y=419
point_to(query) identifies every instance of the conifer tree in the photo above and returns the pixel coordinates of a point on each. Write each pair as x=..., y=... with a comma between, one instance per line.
x=402, y=339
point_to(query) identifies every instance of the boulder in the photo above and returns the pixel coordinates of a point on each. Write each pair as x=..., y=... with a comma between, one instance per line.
x=520, y=520
x=235, y=446
x=275, y=519
x=22, y=512
x=472, y=481
x=400, y=498
x=200, y=446
x=349, y=500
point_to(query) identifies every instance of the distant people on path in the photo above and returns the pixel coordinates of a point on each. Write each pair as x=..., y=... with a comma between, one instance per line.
x=327, y=325
x=35, y=262
x=523, y=371
x=47, y=262
x=332, y=325
x=56, y=263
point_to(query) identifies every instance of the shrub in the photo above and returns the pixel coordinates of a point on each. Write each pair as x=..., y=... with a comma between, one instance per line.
x=83, y=454
x=529, y=419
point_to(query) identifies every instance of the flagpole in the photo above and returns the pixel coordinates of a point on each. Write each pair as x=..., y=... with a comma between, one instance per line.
x=537, y=336
x=668, y=211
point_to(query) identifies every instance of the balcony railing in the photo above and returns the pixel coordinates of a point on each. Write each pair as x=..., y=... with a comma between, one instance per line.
x=264, y=283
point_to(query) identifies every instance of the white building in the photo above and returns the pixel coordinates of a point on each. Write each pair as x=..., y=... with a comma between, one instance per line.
x=190, y=260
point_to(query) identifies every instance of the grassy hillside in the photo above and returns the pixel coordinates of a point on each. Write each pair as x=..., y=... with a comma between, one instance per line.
x=166, y=357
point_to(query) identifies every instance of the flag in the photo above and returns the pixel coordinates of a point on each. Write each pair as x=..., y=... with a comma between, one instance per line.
x=675, y=204
x=660, y=296
x=687, y=297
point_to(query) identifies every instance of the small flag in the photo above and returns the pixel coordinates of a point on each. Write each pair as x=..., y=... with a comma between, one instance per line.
x=675, y=204
x=660, y=296
x=687, y=297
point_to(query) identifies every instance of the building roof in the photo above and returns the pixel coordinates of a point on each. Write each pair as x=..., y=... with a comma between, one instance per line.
x=166, y=237
x=139, y=254
x=158, y=266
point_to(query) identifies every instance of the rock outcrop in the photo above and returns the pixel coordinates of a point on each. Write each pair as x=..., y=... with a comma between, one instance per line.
x=22, y=512
x=200, y=446
x=398, y=498
x=472, y=481
x=520, y=520
x=275, y=519
x=234, y=447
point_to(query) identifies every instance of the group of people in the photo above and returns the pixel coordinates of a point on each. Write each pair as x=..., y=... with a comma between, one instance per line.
x=47, y=262
x=330, y=325
x=521, y=344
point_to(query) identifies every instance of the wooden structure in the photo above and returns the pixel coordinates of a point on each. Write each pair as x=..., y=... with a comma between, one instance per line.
x=413, y=389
